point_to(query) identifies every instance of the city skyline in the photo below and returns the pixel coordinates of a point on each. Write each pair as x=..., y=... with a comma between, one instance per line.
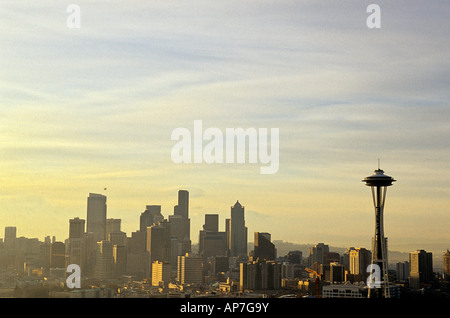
x=94, y=107
x=193, y=234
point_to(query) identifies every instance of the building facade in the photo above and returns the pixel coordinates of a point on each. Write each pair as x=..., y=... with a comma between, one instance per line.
x=237, y=231
x=96, y=216
x=190, y=270
x=421, y=268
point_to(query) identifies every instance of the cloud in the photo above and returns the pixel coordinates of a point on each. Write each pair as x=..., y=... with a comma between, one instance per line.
x=98, y=104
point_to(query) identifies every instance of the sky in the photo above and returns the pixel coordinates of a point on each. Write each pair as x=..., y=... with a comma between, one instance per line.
x=89, y=108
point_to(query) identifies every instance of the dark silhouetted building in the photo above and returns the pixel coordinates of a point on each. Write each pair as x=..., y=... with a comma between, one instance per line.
x=421, y=268
x=159, y=243
x=181, y=225
x=150, y=216
x=264, y=249
x=317, y=254
x=76, y=228
x=211, y=241
x=260, y=275
x=237, y=231
x=96, y=216
x=447, y=265
x=58, y=255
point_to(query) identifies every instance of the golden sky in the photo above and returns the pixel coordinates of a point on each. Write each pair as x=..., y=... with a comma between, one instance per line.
x=94, y=107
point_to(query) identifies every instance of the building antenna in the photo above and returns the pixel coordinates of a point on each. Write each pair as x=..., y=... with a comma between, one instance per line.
x=378, y=163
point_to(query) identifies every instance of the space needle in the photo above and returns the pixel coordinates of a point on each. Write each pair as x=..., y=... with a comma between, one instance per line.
x=379, y=182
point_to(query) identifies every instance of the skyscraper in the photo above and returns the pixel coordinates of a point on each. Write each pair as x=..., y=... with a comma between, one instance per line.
x=76, y=228
x=237, y=231
x=159, y=242
x=183, y=204
x=447, y=265
x=190, y=269
x=336, y=272
x=10, y=236
x=359, y=259
x=120, y=260
x=421, y=268
x=104, y=266
x=150, y=216
x=211, y=242
x=181, y=224
x=76, y=244
x=317, y=254
x=112, y=225
x=264, y=249
x=402, y=269
x=137, y=255
x=58, y=255
x=96, y=216
x=211, y=222
x=10, y=233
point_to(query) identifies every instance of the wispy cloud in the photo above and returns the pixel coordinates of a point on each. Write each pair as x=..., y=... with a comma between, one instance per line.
x=98, y=104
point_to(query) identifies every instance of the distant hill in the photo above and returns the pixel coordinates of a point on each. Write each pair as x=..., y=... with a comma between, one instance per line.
x=283, y=248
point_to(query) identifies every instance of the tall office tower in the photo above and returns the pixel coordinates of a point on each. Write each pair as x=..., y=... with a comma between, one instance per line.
x=112, y=225
x=402, y=271
x=10, y=234
x=76, y=244
x=336, y=272
x=359, y=259
x=317, y=254
x=211, y=242
x=287, y=270
x=190, y=269
x=58, y=255
x=181, y=224
x=179, y=229
x=447, y=265
x=264, y=249
x=150, y=216
x=47, y=240
x=90, y=245
x=182, y=208
x=379, y=182
x=76, y=228
x=211, y=223
x=96, y=216
x=331, y=257
x=118, y=238
x=137, y=255
x=159, y=242
x=104, y=265
x=237, y=231
x=421, y=268
x=295, y=257
x=218, y=264
x=346, y=258
x=137, y=242
x=120, y=260
x=76, y=252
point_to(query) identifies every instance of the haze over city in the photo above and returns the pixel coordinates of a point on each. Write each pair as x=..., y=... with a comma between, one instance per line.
x=89, y=108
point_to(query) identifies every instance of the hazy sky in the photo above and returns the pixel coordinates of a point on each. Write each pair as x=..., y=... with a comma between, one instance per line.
x=94, y=107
